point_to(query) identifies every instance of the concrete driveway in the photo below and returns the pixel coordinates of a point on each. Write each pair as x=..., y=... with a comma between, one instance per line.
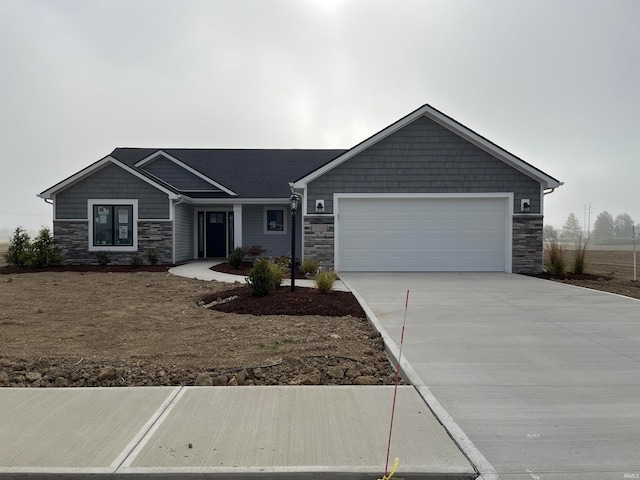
x=542, y=377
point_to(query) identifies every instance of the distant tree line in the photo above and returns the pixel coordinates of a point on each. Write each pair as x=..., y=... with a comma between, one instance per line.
x=607, y=230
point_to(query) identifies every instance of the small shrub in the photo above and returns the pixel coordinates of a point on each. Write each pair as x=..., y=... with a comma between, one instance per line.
x=236, y=257
x=555, y=263
x=310, y=266
x=284, y=261
x=325, y=280
x=19, y=250
x=136, y=260
x=254, y=250
x=44, y=252
x=581, y=254
x=261, y=279
x=103, y=258
x=152, y=257
x=279, y=272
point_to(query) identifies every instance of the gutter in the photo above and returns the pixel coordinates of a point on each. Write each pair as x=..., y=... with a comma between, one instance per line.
x=552, y=189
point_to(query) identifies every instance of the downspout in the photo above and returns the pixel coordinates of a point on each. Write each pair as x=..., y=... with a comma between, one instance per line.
x=173, y=249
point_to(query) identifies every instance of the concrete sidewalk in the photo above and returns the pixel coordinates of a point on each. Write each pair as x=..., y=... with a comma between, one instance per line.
x=222, y=432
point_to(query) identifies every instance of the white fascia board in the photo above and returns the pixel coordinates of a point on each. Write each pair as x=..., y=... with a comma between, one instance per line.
x=100, y=164
x=155, y=155
x=76, y=177
x=300, y=184
x=491, y=148
x=449, y=124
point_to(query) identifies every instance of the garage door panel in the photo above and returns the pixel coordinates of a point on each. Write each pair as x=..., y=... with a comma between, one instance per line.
x=422, y=234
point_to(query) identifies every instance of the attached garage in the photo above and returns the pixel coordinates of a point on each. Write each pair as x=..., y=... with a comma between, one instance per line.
x=423, y=233
x=425, y=194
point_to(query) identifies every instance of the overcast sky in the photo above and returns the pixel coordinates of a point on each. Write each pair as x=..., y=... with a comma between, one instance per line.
x=556, y=83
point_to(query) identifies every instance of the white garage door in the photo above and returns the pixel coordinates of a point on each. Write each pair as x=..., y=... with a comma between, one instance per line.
x=422, y=234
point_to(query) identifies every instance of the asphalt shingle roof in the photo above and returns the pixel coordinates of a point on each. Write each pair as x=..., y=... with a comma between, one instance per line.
x=250, y=173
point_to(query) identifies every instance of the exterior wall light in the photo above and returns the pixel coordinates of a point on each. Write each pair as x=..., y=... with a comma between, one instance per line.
x=320, y=206
x=525, y=205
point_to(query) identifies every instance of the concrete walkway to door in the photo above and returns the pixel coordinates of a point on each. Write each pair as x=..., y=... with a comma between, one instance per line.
x=543, y=378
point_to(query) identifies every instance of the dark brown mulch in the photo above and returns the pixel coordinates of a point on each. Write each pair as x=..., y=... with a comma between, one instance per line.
x=87, y=268
x=303, y=301
x=244, y=268
x=572, y=276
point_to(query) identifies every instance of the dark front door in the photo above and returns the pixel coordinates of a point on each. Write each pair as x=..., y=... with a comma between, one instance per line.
x=216, y=223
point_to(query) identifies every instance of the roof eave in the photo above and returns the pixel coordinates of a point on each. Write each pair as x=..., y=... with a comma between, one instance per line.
x=94, y=167
x=448, y=123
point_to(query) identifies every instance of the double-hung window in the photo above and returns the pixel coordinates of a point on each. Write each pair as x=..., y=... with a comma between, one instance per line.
x=113, y=225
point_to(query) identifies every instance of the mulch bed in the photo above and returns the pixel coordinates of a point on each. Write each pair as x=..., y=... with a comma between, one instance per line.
x=302, y=301
x=244, y=268
x=572, y=276
x=87, y=268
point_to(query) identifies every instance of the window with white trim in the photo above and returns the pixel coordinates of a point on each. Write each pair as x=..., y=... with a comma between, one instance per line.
x=113, y=224
x=275, y=220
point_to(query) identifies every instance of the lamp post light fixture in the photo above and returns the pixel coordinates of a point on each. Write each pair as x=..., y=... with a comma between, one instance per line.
x=293, y=203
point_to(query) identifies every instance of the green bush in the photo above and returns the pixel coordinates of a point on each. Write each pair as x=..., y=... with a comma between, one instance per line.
x=555, y=263
x=39, y=253
x=279, y=272
x=103, y=258
x=44, y=252
x=236, y=257
x=19, y=251
x=325, y=280
x=136, y=260
x=262, y=278
x=152, y=257
x=310, y=266
x=284, y=261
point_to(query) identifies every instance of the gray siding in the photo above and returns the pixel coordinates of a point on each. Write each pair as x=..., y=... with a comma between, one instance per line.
x=276, y=245
x=111, y=182
x=184, y=231
x=423, y=157
x=177, y=176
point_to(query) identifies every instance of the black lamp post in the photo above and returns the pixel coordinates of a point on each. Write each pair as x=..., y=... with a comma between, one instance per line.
x=293, y=203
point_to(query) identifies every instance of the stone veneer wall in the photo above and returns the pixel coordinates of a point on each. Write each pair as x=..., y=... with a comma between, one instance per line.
x=73, y=242
x=527, y=244
x=319, y=233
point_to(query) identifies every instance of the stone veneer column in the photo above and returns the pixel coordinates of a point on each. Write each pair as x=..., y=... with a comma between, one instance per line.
x=319, y=242
x=527, y=244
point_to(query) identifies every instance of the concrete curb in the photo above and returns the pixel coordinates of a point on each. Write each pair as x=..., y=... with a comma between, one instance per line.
x=477, y=459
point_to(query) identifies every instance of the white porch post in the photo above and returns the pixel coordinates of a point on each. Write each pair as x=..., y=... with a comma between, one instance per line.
x=237, y=225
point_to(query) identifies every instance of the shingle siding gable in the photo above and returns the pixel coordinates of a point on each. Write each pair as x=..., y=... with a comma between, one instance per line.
x=111, y=182
x=423, y=157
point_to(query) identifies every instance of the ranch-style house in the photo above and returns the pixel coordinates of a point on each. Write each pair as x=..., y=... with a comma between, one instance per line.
x=424, y=194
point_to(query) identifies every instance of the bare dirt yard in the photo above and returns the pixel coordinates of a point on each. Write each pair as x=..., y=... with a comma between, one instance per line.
x=124, y=327
x=607, y=270
x=80, y=328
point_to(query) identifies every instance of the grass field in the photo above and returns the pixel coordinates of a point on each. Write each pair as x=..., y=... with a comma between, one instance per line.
x=601, y=260
x=3, y=249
